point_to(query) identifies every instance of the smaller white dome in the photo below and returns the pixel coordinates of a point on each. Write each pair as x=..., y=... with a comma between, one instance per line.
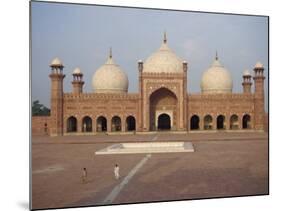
x=259, y=65
x=110, y=78
x=56, y=62
x=246, y=73
x=77, y=71
x=216, y=79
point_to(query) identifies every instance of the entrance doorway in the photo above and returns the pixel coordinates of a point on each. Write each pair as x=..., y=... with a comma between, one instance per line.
x=164, y=122
x=246, y=121
x=130, y=123
x=220, y=122
x=194, y=122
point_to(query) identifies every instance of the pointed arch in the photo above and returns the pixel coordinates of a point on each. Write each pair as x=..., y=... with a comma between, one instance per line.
x=87, y=124
x=101, y=124
x=246, y=121
x=221, y=122
x=130, y=123
x=234, y=123
x=161, y=100
x=194, y=122
x=72, y=124
x=164, y=122
x=208, y=122
x=116, y=124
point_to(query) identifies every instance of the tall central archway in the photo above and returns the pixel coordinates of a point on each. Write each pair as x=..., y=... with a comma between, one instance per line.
x=164, y=122
x=160, y=101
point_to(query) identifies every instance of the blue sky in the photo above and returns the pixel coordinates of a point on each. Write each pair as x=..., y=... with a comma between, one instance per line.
x=81, y=35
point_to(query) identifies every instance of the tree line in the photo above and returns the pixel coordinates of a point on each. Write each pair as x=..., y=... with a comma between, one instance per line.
x=39, y=109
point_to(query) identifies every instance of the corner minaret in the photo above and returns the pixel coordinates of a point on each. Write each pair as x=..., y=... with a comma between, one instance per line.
x=247, y=82
x=57, y=76
x=77, y=83
x=140, y=119
x=259, y=96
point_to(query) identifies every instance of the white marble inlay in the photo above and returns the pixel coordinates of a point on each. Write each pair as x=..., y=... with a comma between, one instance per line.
x=147, y=147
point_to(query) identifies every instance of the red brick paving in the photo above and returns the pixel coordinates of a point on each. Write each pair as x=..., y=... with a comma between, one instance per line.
x=233, y=167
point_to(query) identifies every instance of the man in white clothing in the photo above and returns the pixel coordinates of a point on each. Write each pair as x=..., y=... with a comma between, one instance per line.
x=116, y=171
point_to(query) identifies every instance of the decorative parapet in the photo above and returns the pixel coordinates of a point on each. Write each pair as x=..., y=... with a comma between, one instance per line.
x=157, y=74
x=235, y=96
x=99, y=96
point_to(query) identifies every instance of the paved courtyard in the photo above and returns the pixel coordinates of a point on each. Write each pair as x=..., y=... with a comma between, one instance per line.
x=223, y=164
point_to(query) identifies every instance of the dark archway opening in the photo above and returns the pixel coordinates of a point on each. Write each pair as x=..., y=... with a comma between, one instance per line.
x=164, y=122
x=208, y=121
x=72, y=124
x=246, y=121
x=234, y=123
x=87, y=124
x=101, y=124
x=194, y=122
x=220, y=122
x=131, y=123
x=116, y=124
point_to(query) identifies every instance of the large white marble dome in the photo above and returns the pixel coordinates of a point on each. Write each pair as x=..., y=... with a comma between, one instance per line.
x=163, y=61
x=109, y=78
x=216, y=79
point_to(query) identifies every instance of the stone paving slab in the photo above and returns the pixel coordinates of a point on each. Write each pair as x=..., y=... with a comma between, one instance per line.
x=144, y=148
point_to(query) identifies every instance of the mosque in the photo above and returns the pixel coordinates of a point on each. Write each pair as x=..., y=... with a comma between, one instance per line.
x=162, y=103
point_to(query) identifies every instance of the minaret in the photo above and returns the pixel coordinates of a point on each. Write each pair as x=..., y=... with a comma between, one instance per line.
x=140, y=119
x=247, y=83
x=185, y=68
x=77, y=83
x=259, y=96
x=57, y=76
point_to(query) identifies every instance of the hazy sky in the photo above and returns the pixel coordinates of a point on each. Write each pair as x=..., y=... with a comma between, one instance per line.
x=81, y=35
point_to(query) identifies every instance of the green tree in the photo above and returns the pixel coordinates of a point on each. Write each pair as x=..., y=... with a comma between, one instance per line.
x=39, y=109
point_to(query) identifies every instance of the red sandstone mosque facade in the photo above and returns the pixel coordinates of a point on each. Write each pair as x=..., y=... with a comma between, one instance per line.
x=162, y=103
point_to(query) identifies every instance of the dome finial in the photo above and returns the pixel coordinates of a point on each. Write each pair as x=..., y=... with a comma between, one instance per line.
x=217, y=58
x=165, y=37
x=110, y=52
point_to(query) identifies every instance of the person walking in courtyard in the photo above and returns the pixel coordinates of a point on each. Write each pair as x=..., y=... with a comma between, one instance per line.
x=116, y=171
x=84, y=175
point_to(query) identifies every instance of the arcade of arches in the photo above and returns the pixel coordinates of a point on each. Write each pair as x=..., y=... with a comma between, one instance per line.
x=221, y=122
x=164, y=122
x=101, y=124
